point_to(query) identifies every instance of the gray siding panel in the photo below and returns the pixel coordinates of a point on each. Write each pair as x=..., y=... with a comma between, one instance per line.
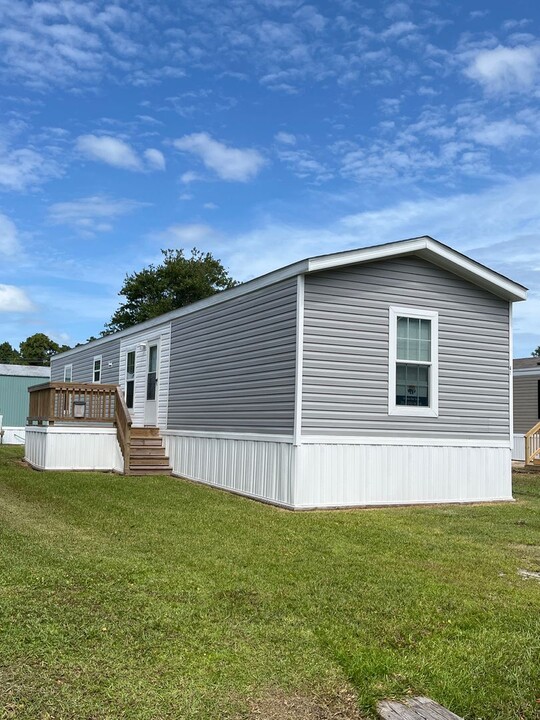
x=233, y=365
x=526, y=410
x=345, y=365
x=83, y=360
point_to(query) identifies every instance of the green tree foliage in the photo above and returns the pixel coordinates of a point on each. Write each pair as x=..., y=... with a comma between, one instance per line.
x=9, y=354
x=38, y=349
x=176, y=282
x=536, y=353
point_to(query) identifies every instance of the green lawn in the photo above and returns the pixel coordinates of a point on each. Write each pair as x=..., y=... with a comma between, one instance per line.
x=157, y=598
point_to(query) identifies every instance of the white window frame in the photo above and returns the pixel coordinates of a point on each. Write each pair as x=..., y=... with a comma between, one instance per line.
x=70, y=366
x=100, y=358
x=411, y=410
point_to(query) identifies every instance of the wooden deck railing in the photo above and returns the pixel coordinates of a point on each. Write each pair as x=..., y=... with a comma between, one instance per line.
x=532, y=444
x=122, y=420
x=72, y=402
x=82, y=403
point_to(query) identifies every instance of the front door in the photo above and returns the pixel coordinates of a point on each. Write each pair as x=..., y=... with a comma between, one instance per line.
x=150, y=407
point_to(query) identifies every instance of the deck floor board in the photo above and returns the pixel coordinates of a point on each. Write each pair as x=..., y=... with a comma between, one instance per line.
x=419, y=708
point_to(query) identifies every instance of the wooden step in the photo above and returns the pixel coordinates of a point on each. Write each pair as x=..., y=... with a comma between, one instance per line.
x=147, y=451
x=145, y=460
x=144, y=432
x=150, y=470
x=146, y=442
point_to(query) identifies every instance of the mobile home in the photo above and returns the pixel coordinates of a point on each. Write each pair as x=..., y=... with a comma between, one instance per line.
x=367, y=377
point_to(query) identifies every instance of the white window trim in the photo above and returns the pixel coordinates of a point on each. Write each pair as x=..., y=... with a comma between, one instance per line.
x=411, y=411
x=100, y=358
x=70, y=366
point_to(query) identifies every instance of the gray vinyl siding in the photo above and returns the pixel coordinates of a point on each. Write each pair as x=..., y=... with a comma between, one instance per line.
x=526, y=410
x=346, y=336
x=83, y=363
x=233, y=365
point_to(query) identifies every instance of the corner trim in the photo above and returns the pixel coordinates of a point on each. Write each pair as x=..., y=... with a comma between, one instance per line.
x=300, y=286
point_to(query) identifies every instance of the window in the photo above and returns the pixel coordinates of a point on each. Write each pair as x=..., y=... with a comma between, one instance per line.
x=151, y=380
x=130, y=378
x=68, y=373
x=413, y=362
x=96, y=375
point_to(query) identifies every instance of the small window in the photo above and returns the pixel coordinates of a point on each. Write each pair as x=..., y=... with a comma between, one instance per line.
x=97, y=369
x=413, y=362
x=68, y=373
x=130, y=378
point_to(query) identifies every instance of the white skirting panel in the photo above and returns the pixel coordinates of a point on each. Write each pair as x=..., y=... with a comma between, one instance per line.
x=348, y=475
x=518, y=451
x=13, y=435
x=261, y=469
x=73, y=448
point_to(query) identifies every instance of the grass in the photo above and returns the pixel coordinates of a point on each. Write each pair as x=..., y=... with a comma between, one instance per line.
x=157, y=598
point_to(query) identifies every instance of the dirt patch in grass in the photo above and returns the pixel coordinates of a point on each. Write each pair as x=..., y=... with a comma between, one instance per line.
x=278, y=706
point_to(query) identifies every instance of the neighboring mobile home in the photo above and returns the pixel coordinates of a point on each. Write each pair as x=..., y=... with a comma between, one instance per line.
x=14, y=383
x=526, y=401
x=373, y=376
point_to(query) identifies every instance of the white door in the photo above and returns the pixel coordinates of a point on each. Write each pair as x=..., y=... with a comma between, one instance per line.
x=150, y=406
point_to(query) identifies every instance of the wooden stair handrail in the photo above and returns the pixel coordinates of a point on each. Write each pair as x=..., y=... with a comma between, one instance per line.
x=532, y=444
x=122, y=420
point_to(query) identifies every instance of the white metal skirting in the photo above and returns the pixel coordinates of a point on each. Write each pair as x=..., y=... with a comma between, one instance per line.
x=348, y=475
x=261, y=469
x=73, y=448
x=13, y=436
x=518, y=451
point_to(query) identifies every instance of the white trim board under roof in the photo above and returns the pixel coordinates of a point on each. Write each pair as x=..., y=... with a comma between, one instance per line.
x=425, y=247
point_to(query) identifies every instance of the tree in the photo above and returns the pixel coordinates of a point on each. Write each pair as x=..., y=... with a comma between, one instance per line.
x=536, y=353
x=8, y=354
x=176, y=282
x=38, y=349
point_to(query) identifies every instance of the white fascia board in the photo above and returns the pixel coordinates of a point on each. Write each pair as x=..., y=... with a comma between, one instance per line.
x=527, y=371
x=476, y=273
x=379, y=252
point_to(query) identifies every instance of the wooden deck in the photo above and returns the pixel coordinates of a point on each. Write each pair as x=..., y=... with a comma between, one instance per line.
x=419, y=708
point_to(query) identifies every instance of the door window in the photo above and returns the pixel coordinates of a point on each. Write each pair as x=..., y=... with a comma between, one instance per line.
x=152, y=373
x=130, y=378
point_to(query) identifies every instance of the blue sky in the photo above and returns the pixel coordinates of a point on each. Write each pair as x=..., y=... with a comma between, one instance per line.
x=263, y=131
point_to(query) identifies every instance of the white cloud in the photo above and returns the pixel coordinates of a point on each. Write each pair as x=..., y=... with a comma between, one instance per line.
x=505, y=69
x=188, y=234
x=189, y=176
x=9, y=242
x=304, y=165
x=236, y=164
x=500, y=133
x=110, y=150
x=285, y=138
x=399, y=28
x=22, y=168
x=155, y=159
x=91, y=214
x=397, y=11
x=14, y=300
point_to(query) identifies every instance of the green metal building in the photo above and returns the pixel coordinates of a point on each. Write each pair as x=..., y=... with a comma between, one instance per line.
x=14, y=383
